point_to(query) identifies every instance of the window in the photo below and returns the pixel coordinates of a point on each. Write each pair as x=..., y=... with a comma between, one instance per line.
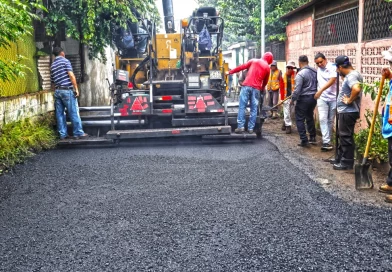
x=377, y=19
x=338, y=28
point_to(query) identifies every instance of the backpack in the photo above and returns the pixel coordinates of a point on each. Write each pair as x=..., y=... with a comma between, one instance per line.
x=205, y=42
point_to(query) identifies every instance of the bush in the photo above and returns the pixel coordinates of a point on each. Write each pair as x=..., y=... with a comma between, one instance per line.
x=379, y=146
x=20, y=140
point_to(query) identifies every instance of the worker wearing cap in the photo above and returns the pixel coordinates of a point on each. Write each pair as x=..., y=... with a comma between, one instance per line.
x=273, y=87
x=387, y=125
x=255, y=81
x=286, y=91
x=348, y=105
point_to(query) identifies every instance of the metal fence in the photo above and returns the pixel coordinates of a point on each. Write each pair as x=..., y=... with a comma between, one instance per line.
x=25, y=47
x=338, y=28
x=377, y=19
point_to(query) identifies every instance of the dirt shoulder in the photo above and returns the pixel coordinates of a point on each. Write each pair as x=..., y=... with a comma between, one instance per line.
x=310, y=160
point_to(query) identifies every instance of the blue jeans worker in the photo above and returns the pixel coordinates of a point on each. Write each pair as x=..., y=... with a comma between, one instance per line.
x=387, y=125
x=255, y=81
x=66, y=93
x=326, y=98
x=303, y=96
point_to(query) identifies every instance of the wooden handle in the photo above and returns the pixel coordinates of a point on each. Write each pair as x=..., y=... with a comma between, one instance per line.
x=369, y=140
x=281, y=102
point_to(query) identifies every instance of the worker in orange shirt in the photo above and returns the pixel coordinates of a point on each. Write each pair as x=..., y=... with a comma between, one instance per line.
x=285, y=91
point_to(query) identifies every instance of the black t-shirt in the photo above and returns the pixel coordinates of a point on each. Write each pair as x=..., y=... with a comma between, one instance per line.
x=289, y=87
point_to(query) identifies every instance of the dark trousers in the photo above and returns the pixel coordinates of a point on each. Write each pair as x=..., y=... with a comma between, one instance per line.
x=304, y=111
x=389, y=178
x=346, y=137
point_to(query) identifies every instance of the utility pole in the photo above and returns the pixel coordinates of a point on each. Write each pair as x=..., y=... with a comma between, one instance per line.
x=262, y=40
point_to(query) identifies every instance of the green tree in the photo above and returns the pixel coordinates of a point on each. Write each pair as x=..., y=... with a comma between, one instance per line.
x=92, y=22
x=242, y=17
x=16, y=23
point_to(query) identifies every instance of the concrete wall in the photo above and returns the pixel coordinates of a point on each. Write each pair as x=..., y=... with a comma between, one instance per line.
x=19, y=107
x=95, y=89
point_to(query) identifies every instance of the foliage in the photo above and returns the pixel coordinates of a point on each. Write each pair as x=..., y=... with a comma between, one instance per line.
x=242, y=17
x=379, y=146
x=92, y=22
x=17, y=16
x=19, y=140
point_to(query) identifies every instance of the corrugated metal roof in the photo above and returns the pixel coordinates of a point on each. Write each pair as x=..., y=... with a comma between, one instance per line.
x=311, y=3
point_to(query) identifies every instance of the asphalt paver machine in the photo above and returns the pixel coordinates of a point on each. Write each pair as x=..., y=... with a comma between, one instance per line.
x=175, y=86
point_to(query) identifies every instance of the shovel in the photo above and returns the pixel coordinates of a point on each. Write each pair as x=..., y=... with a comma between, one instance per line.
x=363, y=175
x=267, y=108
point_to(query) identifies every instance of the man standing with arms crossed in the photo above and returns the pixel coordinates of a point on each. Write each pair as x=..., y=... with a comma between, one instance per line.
x=305, y=89
x=255, y=81
x=326, y=98
x=65, y=95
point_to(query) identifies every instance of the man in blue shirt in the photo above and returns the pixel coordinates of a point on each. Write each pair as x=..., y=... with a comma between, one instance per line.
x=387, y=124
x=65, y=95
x=348, y=104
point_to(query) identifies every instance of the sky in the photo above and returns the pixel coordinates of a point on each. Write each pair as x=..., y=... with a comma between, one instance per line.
x=182, y=9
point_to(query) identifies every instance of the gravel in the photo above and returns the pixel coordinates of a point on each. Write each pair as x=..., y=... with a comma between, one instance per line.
x=182, y=206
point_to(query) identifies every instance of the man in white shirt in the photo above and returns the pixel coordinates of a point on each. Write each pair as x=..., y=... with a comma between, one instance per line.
x=326, y=98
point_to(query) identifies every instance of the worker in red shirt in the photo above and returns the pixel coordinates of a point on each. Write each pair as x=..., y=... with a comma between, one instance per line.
x=255, y=82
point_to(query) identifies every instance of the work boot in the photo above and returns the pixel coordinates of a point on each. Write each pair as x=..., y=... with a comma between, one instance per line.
x=385, y=188
x=312, y=140
x=288, y=130
x=340, y=166
x=388, y=198
x=239, y=130
x=304, y=144
x=284, y=126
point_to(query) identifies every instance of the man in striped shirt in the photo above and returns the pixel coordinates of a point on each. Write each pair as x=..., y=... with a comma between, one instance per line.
x=65, y=95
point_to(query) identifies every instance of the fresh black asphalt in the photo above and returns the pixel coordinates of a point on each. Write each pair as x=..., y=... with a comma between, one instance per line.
x=182, y=207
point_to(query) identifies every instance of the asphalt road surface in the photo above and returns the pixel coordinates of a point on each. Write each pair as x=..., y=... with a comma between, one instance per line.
x=182, y=207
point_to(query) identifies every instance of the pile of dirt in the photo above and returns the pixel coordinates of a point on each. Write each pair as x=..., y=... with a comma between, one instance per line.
x=310, y=160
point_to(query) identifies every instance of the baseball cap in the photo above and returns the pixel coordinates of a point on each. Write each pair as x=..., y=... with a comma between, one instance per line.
x=274, y=63
x=291, y=64
x=342, y=60
x=388, y=54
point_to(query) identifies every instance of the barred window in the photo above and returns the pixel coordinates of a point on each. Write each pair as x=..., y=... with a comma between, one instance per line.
x=278, y=50
x=338, y=28
x=378, y=18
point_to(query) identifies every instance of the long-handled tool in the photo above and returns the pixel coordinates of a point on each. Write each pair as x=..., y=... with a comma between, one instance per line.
x=337, y=120
x=363, y=176
x=266, y=108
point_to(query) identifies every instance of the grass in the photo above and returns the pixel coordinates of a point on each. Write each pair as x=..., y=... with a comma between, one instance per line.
x=22, y=139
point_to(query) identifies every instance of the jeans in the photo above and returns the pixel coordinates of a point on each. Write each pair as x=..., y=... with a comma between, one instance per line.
x=230, y=84
x=248, y=94
x=66, y=100
x=346, y=137
x=327, y=111
x=287, y=113
x=304, y=110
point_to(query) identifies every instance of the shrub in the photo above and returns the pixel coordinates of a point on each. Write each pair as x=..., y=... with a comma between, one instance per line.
x=20, y=140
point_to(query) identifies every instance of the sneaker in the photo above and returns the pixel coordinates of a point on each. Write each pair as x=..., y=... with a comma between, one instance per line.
x=312, y=140
x=239, y=130
x=326, y=147
x=81, y=136
x=64, y=138
x=250, y=131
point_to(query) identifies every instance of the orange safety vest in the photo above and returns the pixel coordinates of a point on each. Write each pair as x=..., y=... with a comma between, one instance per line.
x=285, y=84
x=273, y=82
